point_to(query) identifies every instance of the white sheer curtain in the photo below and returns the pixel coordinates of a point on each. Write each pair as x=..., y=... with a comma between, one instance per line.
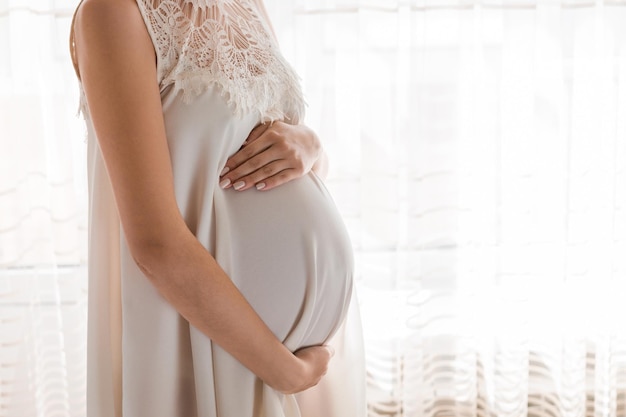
x=478, y=151
x=478, y=154
x=42, y=215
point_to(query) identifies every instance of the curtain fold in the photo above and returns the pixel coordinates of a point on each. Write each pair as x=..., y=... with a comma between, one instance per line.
x=478, y=156
x=478, y=152
x=42, y=215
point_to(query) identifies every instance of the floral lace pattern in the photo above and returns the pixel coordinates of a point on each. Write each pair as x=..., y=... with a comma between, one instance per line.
x=200, y=43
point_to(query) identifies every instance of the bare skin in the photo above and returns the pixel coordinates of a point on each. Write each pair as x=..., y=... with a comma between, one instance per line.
x=274, y=154
x=118, y=72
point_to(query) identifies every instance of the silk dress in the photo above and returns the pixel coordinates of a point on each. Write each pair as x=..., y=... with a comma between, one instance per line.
x=220, y=74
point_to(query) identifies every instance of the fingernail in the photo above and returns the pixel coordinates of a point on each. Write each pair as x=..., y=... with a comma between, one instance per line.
x=224, y=171
x=332, y=350
x=239, y=185
x=260, y=186
x=225, y=183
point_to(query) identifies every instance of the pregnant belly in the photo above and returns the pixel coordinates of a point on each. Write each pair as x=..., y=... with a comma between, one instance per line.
x=289, y=254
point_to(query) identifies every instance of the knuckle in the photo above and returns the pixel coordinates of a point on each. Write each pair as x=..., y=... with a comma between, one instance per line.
x=267, y=170
x=292, y=154
x=254, y=163
x=247, y=153
x=289, y=150
x=274, y=135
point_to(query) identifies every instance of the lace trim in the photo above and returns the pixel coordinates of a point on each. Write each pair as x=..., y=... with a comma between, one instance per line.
x=200, y=43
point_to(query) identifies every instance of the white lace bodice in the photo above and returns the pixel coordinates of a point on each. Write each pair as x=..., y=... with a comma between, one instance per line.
x=223, y=42
x=228, y=43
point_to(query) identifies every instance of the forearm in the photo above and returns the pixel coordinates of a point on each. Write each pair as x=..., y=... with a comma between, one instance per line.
x=190, y=279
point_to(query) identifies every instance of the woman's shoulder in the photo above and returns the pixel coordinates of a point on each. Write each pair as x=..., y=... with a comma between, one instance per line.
x=104, y=19
x=108, y=18
x=108, y=11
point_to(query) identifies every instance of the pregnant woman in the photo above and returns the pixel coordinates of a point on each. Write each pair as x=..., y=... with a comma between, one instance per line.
x=219, y=268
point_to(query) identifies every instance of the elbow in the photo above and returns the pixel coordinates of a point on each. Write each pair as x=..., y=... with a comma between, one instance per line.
x=151, y=258
x=165, y=259
x=159, y=252
x=145, y=267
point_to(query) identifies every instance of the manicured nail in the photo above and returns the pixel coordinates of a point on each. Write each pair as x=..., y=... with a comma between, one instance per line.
x=225, y=183
x=224, y=171
x=260, y=186
x=239, y=185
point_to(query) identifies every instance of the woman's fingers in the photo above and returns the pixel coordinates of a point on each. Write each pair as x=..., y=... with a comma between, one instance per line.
x=277, y=179
x=259, y=164
x=272, y=155
x=256, y=132
x=265, y=178
x=263, y=167
x=238, y=165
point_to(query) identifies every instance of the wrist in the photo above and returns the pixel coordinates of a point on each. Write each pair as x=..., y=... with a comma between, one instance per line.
x=287, y=372
x=319, y=158
x=290, y=375
x=320, y=167
x=296, y=376
x=317, y=145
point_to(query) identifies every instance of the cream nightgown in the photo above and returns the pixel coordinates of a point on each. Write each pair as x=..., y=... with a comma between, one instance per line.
x=286, y=249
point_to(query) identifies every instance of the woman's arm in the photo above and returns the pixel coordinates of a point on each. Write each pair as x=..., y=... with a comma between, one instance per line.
x=117, y=68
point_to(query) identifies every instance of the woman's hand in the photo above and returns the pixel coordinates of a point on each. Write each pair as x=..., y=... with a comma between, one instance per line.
x=273, y=154
x=312, y=365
